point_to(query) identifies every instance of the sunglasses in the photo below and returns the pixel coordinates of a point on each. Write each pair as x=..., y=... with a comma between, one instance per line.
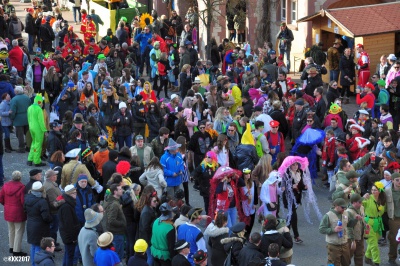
x=309, y=121
x=274, y=127
x=239, y=111
x=202, y=127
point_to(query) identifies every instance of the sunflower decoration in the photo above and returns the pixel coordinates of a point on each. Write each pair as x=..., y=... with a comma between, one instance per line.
x=145, y=19
x=379, y=185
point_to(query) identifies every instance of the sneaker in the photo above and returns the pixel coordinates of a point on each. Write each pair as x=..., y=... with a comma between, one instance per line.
x=382, y=242
x=298, y=240
x=196, y=187
x=40, y=164
x=29, y=163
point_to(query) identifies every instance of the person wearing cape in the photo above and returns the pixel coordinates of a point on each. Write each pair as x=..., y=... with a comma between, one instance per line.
x=296, y=179
x=306, y=146
x=224, y=194
x=269, y=194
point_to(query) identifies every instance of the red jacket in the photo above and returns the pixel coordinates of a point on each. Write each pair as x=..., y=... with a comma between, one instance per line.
x=328, y=151
x=12, y=197
x=162, y=70
x=290, y=115
x=163, y=45
x=16, y=57
x=352, y=147
x=369, y=98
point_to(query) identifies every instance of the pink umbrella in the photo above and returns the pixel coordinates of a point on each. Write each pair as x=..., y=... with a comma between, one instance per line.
x=291, y=160
x=224, y=171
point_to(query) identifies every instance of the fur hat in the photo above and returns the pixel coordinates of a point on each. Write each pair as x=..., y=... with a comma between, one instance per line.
x=357, y=127
x=362, y=142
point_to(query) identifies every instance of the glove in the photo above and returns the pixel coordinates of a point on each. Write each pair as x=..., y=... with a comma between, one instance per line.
x=98, y=187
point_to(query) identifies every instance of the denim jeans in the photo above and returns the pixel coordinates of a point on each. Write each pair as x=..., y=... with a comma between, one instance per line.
x=31, y=38
x=34, y=249
x=286, y=54
x=54, y=228
x=6, y=131
x=68, y=254
x=333, y=75
x=127, y=140
x=150, y=259
x=118, y=243
x=232, y=216
x=79, y=12
x=77, y=255
x=130, y=239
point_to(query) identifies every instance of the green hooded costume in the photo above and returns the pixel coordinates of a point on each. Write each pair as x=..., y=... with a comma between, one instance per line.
x=37, y=129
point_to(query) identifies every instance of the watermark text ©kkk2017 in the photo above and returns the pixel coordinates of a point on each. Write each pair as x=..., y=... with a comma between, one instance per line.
x=16, y=258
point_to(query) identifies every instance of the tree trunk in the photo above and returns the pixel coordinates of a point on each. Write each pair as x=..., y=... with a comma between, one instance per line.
x=208, y=46
x=263, y=28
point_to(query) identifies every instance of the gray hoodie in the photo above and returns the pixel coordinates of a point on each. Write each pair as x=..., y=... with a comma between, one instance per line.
x=154, y=177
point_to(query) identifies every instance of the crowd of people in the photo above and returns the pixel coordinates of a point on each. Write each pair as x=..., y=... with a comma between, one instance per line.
x=124, y=146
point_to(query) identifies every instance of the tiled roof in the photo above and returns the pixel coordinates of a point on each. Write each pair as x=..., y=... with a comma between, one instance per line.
x=365, y=20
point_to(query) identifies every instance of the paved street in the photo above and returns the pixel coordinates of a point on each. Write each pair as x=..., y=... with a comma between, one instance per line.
x=311, y=252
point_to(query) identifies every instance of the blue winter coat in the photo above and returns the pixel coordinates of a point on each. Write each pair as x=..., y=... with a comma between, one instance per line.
x=6, y=87
x=4, y=112
x=84, y=200
x=142, y=39
x=172, y=163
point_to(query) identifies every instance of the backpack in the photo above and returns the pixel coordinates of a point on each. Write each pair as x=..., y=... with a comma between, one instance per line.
x=259, y=147
x=171, y=31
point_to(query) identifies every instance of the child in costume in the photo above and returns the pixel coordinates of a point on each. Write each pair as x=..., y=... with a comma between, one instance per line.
x=269, y=194
x=37, y=128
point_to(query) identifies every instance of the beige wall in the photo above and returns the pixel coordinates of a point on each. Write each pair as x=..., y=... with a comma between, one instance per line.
x=377, y=45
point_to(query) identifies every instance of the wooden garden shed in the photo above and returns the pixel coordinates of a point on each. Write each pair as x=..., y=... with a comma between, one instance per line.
x=377, y=27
